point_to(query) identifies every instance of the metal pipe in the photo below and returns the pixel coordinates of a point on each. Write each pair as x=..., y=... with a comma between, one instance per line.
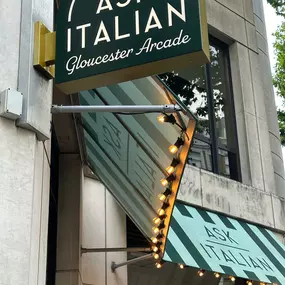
x=117, y=109
x=118, y=249
x=114, y=266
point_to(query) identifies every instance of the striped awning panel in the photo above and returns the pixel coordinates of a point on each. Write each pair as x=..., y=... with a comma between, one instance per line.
x=217, y=243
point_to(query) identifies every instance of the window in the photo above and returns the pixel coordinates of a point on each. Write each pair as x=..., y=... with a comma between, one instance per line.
x=206, y=90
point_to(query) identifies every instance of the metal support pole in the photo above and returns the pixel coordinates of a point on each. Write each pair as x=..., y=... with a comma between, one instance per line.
x=118, y=249
x=117, y=109
x=114, y=266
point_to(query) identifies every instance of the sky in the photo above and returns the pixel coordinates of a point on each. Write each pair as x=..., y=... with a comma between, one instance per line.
x=272, y=22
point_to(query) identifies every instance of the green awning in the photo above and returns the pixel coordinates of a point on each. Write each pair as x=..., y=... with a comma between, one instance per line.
x=130, y=153
x=217, y=243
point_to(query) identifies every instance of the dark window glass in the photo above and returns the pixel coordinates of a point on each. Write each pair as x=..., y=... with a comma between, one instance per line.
x=206, y=90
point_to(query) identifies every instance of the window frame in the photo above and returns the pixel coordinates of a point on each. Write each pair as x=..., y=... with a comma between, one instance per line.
x=213, y=141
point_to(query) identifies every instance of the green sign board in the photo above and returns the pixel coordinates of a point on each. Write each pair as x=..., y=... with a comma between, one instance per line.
x=130, y=153
x=213, y=242
x=104, y=42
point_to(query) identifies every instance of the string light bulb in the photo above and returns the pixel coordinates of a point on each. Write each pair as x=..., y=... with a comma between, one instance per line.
x=181, y=266
x=158, y=265
x=162, y=197
x=167, y=119
x=232, y=278
x=157, y=220
x=201, y=273
x=261, y=283
x=170, y=169
x=217, y=275
x=249, y=283
x=154, y=240
x=161, y=211
x=165, y=181
x=156, y=255
x=175, y=147
x=155, y=248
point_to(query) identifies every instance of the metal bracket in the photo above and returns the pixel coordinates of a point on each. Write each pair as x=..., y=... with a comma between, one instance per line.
x=114, y=265
x=118, y=109
x=44, y=50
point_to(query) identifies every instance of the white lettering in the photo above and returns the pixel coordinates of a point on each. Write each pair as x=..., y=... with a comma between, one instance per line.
x=172, y=10
x=117, y=31
x=83, y=34
x=149, y=25
x=101, y=7
x=70, y=65
x=102, y=29
x=69, y=40
x=145, y=46
x=121, y=5
x=137, y=16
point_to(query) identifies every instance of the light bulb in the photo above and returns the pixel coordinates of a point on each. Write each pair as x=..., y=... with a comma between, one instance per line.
x=181, y=266
x=232, y=278
x=249, y=283
x=161, y=212
x=201, y=273
x=170, y=169
x=156, y=256
x=164, y=182
x=162, y=197
x=155, y=248
x=161, y=118
x=173, y=149
x=158, y=265
x=217, y=275
x=157, y=221
x=154, y=240
x=166, y=193
x=155, y=230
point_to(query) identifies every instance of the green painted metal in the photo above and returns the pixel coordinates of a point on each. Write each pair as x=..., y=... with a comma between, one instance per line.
x=129, y=153
x=98, y=37
x=217, y=243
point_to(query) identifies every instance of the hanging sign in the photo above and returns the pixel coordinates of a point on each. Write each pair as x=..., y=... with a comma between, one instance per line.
x=102, y=42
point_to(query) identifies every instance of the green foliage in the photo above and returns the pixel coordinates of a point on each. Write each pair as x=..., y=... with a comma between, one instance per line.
x=281, y=120
x=279, y=77
x=279, y=6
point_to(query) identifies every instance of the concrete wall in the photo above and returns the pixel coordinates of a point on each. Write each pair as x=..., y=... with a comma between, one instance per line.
x=68, y=236
x=241, y=24
x=24, y=161
x=103, y=226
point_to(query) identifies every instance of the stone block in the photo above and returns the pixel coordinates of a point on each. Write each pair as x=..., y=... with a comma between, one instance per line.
x=251, y=36
x=246, y=80
x=115, y=223
x=36, y=89
x=266, y=158
x=260, y=26
x=120, y=276
x=236, y=199
x=243, y=148
x=262, y=44
x=10, y=14
x=233, y=5
x=257, y=86
x=254, y=152
x=93, y=214
x=190, y=188
x=67, y=278
x=279, y=212
x=226, y=21
x=93, y=268
x=248, y=10
x=68, y=245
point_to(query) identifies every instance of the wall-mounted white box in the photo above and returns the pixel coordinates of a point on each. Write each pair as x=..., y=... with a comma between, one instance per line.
x=11, y=103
